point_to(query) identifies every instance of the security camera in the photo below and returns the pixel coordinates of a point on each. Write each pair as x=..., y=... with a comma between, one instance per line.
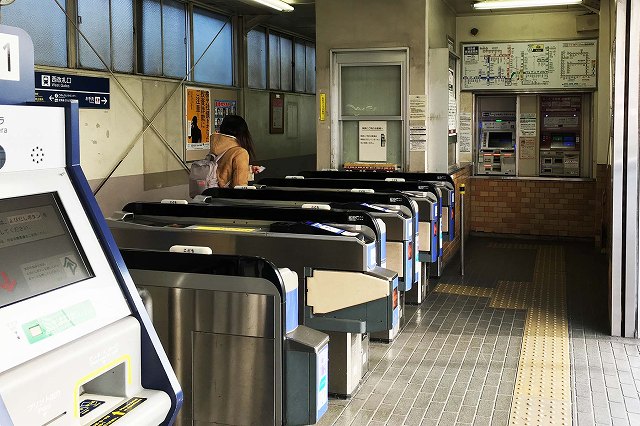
x=474, y=31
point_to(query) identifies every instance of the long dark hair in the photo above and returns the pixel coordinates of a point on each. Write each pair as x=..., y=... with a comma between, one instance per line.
x=234, y=125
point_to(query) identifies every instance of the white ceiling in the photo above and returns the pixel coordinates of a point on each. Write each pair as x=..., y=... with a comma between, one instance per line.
x=302, y=20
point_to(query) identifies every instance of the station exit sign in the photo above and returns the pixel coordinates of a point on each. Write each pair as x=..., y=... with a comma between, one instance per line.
x=56, y=88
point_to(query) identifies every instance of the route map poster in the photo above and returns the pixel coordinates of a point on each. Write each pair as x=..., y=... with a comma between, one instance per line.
x=570, y=64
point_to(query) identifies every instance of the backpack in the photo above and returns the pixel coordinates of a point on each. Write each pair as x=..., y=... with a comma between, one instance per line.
x=204, y=174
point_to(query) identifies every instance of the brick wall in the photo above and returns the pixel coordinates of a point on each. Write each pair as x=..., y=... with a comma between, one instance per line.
x=451, y=248
x=533, y=207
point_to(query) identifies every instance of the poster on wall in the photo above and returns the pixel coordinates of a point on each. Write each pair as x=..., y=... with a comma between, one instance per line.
x=528, y=124
x=276, y=113
x=198, y=119
x=527, y=148
x=372, y=141
x=464, y=132
x=567, y=64
x=452, y=115
x=417, y=138
x=222, y=108
x=417, y=107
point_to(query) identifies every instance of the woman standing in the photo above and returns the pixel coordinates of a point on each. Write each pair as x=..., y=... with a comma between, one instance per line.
x=234, y=146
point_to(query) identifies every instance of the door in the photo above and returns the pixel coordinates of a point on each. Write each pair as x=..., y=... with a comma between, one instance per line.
x=369, y=107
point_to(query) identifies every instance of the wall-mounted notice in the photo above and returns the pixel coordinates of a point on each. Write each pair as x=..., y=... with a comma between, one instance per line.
x=198, y=119
x=452, y=115
x=569, y=64
x=527, y=148
x=417, y=138
x=222, y=108
x=417, y=107
x=464, y=132
x=372, y=141
x=527, y=125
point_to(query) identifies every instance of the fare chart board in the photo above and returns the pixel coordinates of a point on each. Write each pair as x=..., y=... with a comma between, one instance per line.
x=569, y=64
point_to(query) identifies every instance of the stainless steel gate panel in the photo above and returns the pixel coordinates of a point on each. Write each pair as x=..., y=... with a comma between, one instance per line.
x=231, y=372
x=240, y=314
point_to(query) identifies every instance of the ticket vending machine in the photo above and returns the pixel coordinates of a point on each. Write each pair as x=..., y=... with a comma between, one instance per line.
x=560, y=134
x=496, y=155
x=77, y=344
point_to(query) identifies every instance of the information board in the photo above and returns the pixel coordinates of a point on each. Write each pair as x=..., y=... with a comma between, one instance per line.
x=569, y=64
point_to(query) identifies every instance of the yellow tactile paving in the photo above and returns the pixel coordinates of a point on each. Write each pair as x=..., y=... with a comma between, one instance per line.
x=464, y=290
x=542, y=394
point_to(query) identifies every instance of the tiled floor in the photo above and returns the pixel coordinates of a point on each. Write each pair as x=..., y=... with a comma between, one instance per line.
x=456, y=361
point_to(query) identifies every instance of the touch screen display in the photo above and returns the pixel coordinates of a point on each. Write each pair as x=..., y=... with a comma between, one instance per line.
x=38, y=249
x=502, y=140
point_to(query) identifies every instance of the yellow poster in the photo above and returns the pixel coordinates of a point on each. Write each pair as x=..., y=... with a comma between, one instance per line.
x=198, y=119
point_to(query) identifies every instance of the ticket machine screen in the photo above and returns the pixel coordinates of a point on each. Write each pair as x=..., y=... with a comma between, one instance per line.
x=502, y=140
x=39, y=251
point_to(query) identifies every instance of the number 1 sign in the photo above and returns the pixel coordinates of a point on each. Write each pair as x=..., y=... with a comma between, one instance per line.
x=9, y=57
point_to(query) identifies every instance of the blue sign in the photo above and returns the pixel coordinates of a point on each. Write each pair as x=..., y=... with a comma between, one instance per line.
x=90, y=92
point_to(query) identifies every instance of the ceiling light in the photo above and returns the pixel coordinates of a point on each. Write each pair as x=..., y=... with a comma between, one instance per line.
x=276, y=4
x=512, y=4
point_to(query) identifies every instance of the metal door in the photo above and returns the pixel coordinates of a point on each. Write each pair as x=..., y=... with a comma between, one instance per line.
x=369, y=87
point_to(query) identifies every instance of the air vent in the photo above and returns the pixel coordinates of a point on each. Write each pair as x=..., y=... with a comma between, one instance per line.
x=37, y=155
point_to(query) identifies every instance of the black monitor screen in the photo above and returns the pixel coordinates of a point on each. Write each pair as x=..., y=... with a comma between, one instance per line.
x=39, y=251
x=503, y=140
x=566, y=141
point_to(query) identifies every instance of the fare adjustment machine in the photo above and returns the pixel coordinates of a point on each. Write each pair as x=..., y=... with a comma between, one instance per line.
x=77, y=345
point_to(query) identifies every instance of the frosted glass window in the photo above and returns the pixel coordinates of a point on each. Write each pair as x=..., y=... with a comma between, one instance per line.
x=151, y=45
x=122, y=35
x=216, y=66
x=311, y=69
x=274, y=61
x=286, y=60
x=257, y=59
x=174, y=30
x=371, y=90
x=94, y=24
x=50, y=38
x=299, y=67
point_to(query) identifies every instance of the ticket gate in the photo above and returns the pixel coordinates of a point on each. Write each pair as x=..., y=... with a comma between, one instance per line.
x=217, y=315
x=397, y=211
x=442, y=181
x=78, y=347
x=329, y=261
x=430, y=248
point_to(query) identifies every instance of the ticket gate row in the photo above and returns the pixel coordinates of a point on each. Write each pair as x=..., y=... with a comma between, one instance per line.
x=442, y=181
x=425, y=194
x=230, y=327
x=336, y=254
x=397, y=211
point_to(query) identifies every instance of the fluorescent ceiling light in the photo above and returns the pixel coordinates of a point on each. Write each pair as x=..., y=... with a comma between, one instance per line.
x=512, y=4
x=276, y=4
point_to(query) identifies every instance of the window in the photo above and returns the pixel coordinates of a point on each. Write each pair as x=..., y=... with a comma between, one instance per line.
x=164, y=38
x=50, y=39
x=96, y=25
x=257, y=59
x=291, y=63
x=215, y=65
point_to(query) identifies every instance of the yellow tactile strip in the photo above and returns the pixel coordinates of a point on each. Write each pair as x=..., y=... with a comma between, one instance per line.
x=542, y=394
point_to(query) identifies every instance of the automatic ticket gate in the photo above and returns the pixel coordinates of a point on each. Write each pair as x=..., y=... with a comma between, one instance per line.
x=397, y=211
x=425, y=194
x=230, y=327
x=78, y=347
x=343, y=291
x=443, y=181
